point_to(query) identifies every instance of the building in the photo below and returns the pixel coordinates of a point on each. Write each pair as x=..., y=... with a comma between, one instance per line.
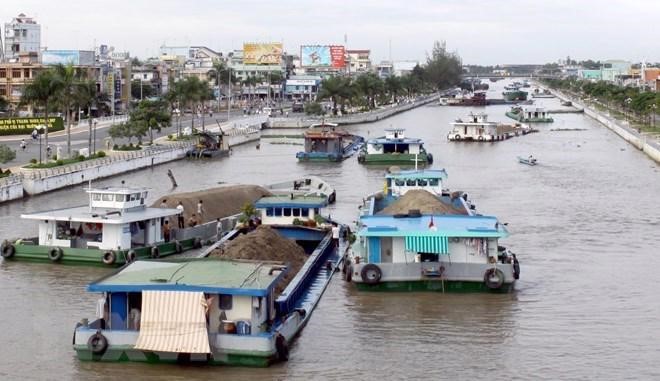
x=22, y=35
x=242, y=70
x=114, y=77
x=358, y=61
x=402, y=68
x=303, y=87
x=13, y=78
x=384, y=69
x=590, y=74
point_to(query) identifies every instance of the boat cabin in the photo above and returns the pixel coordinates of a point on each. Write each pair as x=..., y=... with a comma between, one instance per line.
x=534, y=113
x=429, y=238
x=212, y=299
x=324, y=138
x=400, y=182
x=115, y=219
x=290, y=209
x=474, y=127
x=394, y=142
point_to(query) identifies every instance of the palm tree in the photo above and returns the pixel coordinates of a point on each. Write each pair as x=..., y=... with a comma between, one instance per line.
x=174, y=97
x=336, y=89
x=369, y=85
x=3, y=104
x=87, y=96
x=41, y=92
x=393, y=87
x=223, y=75
x=67, y=96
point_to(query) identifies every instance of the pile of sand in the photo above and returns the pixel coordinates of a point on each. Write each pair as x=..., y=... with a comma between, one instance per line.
x=218, y=202
x=265, y=244
x=421, y=200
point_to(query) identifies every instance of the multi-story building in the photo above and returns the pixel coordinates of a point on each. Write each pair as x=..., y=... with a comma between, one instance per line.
x=358, y=61
x=303, y=87
x=13, y=78
x=402, y=68
x=385, y=69
x=22, y=35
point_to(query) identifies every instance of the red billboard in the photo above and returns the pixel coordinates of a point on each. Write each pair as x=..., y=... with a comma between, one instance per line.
x=337, y=56
x=322, y=56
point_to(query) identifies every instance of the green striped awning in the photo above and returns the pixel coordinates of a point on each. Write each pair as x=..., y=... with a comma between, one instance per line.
x=427, y=244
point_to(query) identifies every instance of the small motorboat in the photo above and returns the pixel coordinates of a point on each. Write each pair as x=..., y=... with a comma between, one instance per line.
x=527, y=160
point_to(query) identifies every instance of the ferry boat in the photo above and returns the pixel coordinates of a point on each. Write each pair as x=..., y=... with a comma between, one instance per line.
x=394, y=148
x=228, y=312
x=476, y=99
x=477, y=127
x=439, y=244
x=208, y=145
x=115, y=228
x=532, y=114
x=515, y=95
x=325, y=142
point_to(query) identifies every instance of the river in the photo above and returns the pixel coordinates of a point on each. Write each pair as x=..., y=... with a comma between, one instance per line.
x=584, y=223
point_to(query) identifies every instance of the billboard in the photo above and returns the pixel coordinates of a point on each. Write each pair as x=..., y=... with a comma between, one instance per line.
x=262, y=54
x=25, y=126
x=65, y=57
x=322, y=56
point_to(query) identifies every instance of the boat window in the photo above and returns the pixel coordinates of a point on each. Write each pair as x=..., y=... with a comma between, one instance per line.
x=410, y=182
x=135, y=196
x=96, y=197
x=270, y=212
x=428, y=257
x=225, y=302
x=296, y=212
x=286, y=212
x=316, y=211
x=434, y=182
x=305, y=212
x=422, y=182
x=62, y=230
x=119, y=197
x=400, y=182
x=278, y=212
x=107, y=197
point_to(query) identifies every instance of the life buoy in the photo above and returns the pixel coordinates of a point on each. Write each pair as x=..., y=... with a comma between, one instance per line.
x=155, y=253
x=197, y=243
x=516, y=267
x=178, y=248
x=494, y=278
x=480, y=138
x=109, y=257
x=360, y=159
x=97, y=343
x=429, y=158
x=55, y=254
x=281, y=348
x=457, y=137
x=131, y=256
x=371, y=273
x=8, y=250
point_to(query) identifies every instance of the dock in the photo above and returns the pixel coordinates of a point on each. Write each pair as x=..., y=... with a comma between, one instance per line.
x=571, y=110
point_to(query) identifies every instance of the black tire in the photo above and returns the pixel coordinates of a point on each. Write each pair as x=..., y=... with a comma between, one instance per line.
x=97, y=343
x=178, y=248
x=490, y=282
x=155, y=253
x=109, y=257
x=131, y=256
x=349, y=274
x=281, y=348
x=371, y=274
x=197, y=243
x=429, y=158
x=8, y=250
x=480, y=138
x=457, y=137
x=55, y=254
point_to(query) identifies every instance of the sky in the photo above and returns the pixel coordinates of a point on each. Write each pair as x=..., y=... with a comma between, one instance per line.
x=485, y=32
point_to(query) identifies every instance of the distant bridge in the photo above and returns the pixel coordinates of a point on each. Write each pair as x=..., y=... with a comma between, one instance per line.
x=500, y=76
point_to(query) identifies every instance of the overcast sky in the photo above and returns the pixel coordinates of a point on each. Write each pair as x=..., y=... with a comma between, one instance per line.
x=481, y=31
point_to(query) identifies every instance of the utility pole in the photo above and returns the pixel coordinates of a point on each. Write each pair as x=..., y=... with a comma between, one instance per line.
x=228, y=92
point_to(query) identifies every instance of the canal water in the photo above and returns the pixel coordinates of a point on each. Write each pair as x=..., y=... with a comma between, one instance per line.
x=584, y=224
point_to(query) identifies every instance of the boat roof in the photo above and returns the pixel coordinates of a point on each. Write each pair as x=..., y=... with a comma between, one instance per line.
x=445, y=225
x=384, y=140
x=419, y=174
x=395, y=129
x=287, y=201
x=117, y=190
x=205, y=275
x=99, y=215
x=324, y=124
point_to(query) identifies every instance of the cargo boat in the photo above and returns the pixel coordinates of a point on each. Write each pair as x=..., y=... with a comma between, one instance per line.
x=394, y=148
x=477, y=127
x=532, y=114
x=325, y=142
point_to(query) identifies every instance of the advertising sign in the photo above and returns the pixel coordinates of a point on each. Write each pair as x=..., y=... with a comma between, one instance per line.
x=64, y=57
x=25, y=126
x=322, y=56
x=262, y=54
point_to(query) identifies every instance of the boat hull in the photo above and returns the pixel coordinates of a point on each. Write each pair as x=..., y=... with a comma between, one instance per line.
x=393, y=159
x=516, y=116
x=434, y=285
x=318, y=157
x=515, y=95
x=39, y=253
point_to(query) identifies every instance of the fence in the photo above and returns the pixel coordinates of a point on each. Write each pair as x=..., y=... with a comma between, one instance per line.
x=101, y=120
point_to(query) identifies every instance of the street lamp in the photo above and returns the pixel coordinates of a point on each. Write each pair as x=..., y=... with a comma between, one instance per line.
x=177, y=113
x=627, y=101
x=39, y=131
x=94, y=138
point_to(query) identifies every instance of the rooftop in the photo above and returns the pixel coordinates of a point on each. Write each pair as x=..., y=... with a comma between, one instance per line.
x=420, y=174
x=83, y=214
x=118, y=190
x=384, y=140
x=287, y=201
x=444, y=225
x=207, y=275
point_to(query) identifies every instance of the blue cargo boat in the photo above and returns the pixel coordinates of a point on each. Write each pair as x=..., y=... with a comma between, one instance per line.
x=326, y=142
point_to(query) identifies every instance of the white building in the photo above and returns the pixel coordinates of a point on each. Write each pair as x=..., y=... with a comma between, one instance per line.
x=22, y=34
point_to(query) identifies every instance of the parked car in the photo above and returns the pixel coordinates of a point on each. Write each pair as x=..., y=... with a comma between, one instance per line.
x=297, y=107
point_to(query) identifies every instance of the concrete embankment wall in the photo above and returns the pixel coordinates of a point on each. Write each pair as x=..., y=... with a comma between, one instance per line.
x=365, y=117
x=11, y=188
x=640, y=141
x=40, y=181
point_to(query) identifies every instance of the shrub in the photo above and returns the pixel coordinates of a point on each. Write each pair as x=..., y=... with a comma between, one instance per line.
x=59, y=162
x=100, y=154
x=33, y=161
x=80, y=158
x=169, y=136
x=115, y=147
x=297, y=222
x=54, y=157
x=6, y=154
x=7, y=171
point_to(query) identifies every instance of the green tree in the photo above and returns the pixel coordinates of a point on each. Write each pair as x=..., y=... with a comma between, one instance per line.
x=88, y=97
x=443, y=69
x=337, y=89
x=68, y=84
x=393, y=85
x=3, y=104
x=141, y=90
x=42, y=91
x=314, y=108
x=6, y=154
x=223, y=75
x=369, y=85
x=147, y=117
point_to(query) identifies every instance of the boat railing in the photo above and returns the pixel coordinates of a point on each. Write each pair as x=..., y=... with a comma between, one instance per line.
x=286, y=302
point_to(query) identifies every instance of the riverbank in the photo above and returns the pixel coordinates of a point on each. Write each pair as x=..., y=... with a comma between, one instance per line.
x=646, y=143
x=364, y=117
